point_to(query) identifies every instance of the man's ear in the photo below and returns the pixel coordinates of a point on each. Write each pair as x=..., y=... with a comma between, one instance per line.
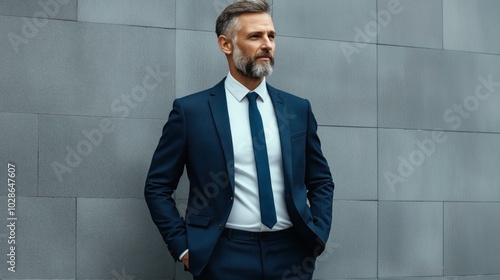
x=225, y=45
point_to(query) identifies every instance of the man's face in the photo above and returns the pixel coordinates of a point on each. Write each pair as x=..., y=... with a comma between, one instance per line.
x=253, y=52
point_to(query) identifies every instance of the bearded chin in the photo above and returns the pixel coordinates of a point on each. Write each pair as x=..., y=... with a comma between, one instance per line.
x=259, y=70
x=249, y=67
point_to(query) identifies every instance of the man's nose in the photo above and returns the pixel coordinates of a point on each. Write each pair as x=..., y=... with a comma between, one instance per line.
x=267, y=44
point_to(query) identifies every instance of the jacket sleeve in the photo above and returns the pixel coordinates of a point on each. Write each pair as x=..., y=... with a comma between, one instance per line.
x=163, y=177
x=318, y=180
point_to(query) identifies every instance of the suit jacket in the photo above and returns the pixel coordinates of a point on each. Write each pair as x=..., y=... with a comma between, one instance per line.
x=197, y=137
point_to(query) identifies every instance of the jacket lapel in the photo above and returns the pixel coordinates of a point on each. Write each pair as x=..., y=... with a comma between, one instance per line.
x=218, y=107
x=280, y=109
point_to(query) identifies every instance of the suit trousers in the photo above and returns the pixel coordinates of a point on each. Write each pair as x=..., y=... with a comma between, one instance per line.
x=242, y=255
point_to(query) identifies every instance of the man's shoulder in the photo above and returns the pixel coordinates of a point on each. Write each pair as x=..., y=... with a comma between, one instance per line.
x=203, y=94
x=288, y=97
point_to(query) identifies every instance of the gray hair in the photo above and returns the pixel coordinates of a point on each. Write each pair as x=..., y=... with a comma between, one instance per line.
x=227, y=22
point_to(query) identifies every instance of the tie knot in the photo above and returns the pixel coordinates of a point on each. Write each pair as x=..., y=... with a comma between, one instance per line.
x=252, y=96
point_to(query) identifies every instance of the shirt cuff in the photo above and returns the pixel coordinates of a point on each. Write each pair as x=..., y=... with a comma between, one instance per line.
x=183, y=253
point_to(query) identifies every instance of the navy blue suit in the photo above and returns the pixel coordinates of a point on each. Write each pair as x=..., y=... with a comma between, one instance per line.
x=197, y=137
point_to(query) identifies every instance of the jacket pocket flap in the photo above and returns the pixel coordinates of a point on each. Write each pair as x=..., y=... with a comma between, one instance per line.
x=197, y=220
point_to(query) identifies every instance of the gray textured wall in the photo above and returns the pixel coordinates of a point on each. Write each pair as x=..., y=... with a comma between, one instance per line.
x=407, y=107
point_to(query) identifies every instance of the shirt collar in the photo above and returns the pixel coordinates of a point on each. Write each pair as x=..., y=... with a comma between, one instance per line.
x=239, y=91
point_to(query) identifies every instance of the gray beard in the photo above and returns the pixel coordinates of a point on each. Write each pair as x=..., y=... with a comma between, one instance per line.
x=249, y=67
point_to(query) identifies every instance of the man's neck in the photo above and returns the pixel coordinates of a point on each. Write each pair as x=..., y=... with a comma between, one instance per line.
x=250, y=83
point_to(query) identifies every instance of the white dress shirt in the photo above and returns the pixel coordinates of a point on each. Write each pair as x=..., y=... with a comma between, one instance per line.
x=245, y=213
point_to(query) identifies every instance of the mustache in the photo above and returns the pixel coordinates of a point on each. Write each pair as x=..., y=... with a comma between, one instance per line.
x=266, y=54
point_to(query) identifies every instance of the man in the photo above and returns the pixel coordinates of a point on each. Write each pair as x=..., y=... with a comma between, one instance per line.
x=260, y=195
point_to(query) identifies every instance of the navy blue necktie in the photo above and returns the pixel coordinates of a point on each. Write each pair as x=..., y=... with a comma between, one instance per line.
x=267, y=209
